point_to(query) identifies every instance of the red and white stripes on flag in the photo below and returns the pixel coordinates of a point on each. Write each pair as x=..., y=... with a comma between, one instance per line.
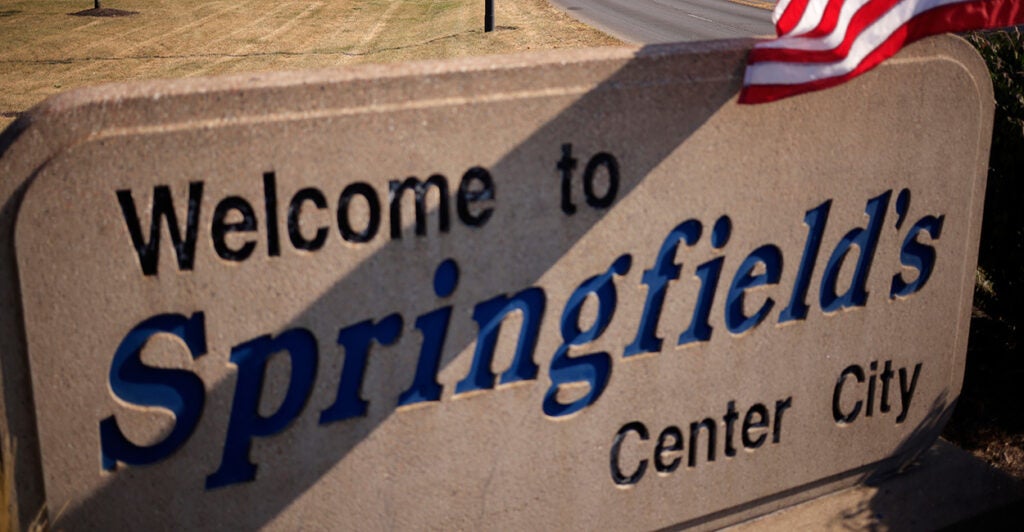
x=823, y=43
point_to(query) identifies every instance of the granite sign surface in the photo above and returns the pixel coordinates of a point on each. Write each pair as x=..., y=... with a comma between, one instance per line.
x=568, y=290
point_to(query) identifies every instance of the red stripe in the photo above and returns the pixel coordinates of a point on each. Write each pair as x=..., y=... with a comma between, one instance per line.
x=970, y=16
x=770, y=93
x=790, y=17
x=950, y=18
x=829, y=20
x=867, y=15
x=953, y=18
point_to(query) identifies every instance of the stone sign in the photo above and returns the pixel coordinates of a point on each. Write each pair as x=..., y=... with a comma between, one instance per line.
x=568, y=290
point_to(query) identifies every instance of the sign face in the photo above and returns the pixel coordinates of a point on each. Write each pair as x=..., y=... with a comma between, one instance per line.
x=573, y=290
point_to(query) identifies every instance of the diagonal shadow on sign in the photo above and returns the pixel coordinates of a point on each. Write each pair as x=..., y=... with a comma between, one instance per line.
x=639, y=84
x=312, y=452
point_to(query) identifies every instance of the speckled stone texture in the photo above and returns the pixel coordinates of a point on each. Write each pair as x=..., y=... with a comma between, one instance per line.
x=624, y=302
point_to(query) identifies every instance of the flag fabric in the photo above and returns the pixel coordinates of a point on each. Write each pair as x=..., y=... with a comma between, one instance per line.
x=822, y=43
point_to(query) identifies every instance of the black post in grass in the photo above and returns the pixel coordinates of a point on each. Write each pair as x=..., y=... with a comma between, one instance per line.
x=488, y=15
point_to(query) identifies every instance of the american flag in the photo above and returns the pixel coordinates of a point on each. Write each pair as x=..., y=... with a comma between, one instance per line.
x=822, y=43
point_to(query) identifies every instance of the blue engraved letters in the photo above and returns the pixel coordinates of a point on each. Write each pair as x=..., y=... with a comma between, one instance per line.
x=688, y=253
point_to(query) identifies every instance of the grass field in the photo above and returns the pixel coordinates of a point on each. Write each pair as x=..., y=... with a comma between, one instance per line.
x=44, y=50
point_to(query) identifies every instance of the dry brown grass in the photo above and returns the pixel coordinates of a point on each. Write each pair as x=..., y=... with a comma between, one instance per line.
x=44, y=51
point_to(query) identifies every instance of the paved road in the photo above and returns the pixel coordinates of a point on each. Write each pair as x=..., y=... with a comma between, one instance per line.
x=659, y=21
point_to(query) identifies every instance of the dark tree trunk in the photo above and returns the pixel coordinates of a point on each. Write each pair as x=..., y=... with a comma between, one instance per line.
x=97, y=2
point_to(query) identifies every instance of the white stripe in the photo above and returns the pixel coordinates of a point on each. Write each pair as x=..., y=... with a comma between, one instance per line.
x=811, y=18
x=849, y=9
x=792, y=73
x=794, y=41
x=780, y=8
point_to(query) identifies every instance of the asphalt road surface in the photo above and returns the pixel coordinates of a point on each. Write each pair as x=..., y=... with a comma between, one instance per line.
x=661, y=21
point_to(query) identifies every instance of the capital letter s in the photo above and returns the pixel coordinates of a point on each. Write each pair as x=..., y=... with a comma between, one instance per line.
x=176, y=390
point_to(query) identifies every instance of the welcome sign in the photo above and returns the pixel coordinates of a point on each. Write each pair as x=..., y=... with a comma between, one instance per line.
x=564, y=291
